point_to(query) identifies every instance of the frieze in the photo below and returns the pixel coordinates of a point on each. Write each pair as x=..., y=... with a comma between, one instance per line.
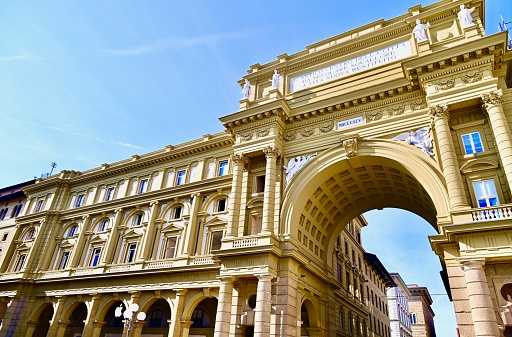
x=246, y=136
x=395, y=111
x=289, y=136
x=374, y=116
x=263, y=132
x=419, y=104
x=326, y=127
x=444, y=85
x=307, y=131
x=472, y=77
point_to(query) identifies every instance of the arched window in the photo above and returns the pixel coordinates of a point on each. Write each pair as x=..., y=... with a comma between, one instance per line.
x=200, y=319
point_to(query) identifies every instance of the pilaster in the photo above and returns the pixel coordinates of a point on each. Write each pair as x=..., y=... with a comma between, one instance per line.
x=239, y=162
x=263, y=306
x=224, y=306
x=271, y=154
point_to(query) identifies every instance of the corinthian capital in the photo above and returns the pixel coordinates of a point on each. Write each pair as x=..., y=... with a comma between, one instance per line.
x=239, y=159
x=271, y=152
x=492, y=98
x=440, y=110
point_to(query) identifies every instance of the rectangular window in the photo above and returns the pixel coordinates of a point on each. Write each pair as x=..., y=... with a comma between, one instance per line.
x=180, y=177
x=485, y=193
x=4, y=238
x=472, y=143
x=64, y=260
x=177, y=212
x=260, y=184
x=170, y=247
x=20, y=263
x=341, y=320
x=130, y=254
x=110, y=193
x=72, y=230
x=223, y=168
x=95, y=259
x=339, y=272
x=79, y=200
x=143, y=186
x=216, y=237
x=39, y=206
x=221, y=205
x=138, y=219
x=103, y=225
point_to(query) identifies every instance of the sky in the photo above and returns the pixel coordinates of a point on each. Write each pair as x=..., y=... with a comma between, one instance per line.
x=89, y=82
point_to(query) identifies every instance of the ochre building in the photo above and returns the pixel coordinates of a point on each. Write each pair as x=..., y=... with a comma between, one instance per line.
x=235, y=234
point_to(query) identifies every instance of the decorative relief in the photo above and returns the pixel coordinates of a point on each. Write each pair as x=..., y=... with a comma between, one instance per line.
x=295, y=164
x=326, y=127
x=419, y=138
x=374, y=116
x=271, y=152
x=245, y=136
x=418, y=105
x=263, y=132
x=289, y=136
x=472, y=77
x=395, y=111
x=350, y=145
x=492, y=98
x=440, y=110
x=240, y=159
x=306, y=132
x=445, y=85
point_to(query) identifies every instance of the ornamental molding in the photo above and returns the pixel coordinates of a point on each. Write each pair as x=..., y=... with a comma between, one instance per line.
x=351, y=145
x=271, y=152
x=491, y=99
x=444, y=85
x=440, y=110
x=472, y=76
x=374, y=116
x=396, y=110
x=419, y=104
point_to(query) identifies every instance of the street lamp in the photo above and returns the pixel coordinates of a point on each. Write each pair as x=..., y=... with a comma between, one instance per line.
x=128, y=315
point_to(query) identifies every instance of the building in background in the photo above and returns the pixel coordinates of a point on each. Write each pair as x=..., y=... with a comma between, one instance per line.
x=398, y=302
x=422, y=315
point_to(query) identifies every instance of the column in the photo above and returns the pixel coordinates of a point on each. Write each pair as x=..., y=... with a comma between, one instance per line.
x=482, y=310
x=286, y=306
x=191, y=231
x=270, y=189
x=54, y=325
x=149, y=239
x=263, y=306
x=239, y=161
x=91, y=317
x=177, y=313
x=79, y=249
x=448, y=157
x=223, y=319
x=492, y=104
x=137, y=327
x=112, y=239
x=97, y=326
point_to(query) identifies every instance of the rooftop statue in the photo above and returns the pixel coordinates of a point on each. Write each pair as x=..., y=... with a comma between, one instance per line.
x=464, y=16
x=275, y=80
x=420, y=31
x=246, y=90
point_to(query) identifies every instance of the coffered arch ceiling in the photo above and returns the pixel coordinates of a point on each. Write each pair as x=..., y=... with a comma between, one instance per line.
x=332, y=189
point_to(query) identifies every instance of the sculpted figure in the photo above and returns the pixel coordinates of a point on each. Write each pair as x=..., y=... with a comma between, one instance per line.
x=420, y=31
x=246, y=91
x=464, y=16
x=275, y=80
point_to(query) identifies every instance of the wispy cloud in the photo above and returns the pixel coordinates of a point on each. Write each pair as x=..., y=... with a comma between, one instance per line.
x=177, y=43
x=22, y=57
x=79, y=134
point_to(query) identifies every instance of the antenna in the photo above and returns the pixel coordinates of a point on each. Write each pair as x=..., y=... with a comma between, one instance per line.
x=46, y=175
x=502, y=26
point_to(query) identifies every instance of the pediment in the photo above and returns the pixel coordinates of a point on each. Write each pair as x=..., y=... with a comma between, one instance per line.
x=133, y=232
x=215, y=221
x=477, y=165
x=98, y=238
x=255, y=202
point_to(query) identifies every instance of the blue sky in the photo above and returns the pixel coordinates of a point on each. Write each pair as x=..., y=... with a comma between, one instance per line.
x=89, y=82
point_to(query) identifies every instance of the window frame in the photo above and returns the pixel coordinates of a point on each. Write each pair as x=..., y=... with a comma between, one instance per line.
x=181, y=177
x=168, y=239
x=94, y=255
x=39, y=206
x=127, y=258
x=63, y=259
x=475, y=195
x=109, y=193
x=20, y=262
x=143, y=186
x=223, y=168
x=218, y=204
x=80, y=200
x=471, y=140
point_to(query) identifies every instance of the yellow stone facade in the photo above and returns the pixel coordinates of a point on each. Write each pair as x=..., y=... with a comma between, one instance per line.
x=235, y=234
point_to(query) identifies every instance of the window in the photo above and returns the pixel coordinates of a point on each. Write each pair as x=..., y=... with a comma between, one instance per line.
x=15, y=211
x=176, y=214
x=110, y=193
x=138, y=219
x=79, y=200
x=130, y=254
x=472, y=143
x=143, y=186
x=156, y=319
x=95, y=259
x=39, y=206
x=485, y=193
x=4, y=238
x=221, y=205
x=3, y=212
x=64, y=260
x=72, y=230
x=103, y=226
x=223, y=168
x=200, y=319
x=341, y=319
x=339, y=272
x=413, y=318
x=170, y=247
x=216, y=237
x=31, y=234
x=260, y=184
x=20, y=262
x=180, y=178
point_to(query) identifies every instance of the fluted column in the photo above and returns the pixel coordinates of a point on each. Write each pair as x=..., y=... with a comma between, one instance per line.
x=482, y=310
x=263, y=306
x=492, y=104
x=149, y=239
x=191, y=231
x=223, y=319
x=239, y=161
x=270, y=189
x=448, y=157
x=91, y=317
x=177, y=313
x=112, y=239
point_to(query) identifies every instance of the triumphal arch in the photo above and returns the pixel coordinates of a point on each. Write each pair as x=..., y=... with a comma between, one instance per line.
x=412, y=112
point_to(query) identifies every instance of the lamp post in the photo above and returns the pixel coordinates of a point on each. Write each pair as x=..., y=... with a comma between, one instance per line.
x=128, y=315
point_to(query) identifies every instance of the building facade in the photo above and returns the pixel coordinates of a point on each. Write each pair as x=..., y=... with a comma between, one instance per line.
x=398, y=302
x=234, y=234
x=422, y=315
